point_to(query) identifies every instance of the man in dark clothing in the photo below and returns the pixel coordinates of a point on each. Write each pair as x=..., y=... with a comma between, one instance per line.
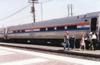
x=72, y=42
x=94, y=40
x=87, y=41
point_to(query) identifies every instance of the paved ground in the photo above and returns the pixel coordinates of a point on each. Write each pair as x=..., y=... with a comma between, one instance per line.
x=12, y=56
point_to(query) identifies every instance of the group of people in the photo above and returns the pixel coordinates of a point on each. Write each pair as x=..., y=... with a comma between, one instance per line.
x=69, y=41
x=88, y=41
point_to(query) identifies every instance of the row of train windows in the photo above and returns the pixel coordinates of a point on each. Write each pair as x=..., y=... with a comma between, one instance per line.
x=18, y=31
x=50, y=29
x=59, y=28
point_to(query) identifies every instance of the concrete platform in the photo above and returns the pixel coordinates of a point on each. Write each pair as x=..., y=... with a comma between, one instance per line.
x=88, y=53
x=16, y=56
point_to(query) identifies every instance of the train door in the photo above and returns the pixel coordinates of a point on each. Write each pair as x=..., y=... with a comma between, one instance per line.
x=93, y=24
x=98, y=31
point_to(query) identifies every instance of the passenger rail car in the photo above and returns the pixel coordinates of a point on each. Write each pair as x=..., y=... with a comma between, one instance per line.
x=53, y=31
x=2, y=33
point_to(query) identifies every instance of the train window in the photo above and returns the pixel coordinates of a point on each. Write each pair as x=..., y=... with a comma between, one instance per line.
x=60, y=28
x=72, y=27
x=51, y=29
x=14, y=31
x=42, y=29
x=22, y=30
x=18, y=31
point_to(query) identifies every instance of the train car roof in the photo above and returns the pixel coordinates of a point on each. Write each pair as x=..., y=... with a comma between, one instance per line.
x=54, y=22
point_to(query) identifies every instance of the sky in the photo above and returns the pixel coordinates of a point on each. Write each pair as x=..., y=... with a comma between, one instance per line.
x=51, y=9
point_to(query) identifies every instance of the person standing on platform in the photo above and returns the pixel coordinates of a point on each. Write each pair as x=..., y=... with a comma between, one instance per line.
x=82, y=43
x=90, y=40
x=66, y=41
x=94, y=40
x=72, y=41
x=87, y=42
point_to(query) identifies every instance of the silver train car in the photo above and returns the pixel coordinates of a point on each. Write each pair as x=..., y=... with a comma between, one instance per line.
x=2, y=33
x=55, y=29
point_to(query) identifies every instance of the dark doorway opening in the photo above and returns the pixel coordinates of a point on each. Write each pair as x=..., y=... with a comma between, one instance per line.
x=93, y=24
